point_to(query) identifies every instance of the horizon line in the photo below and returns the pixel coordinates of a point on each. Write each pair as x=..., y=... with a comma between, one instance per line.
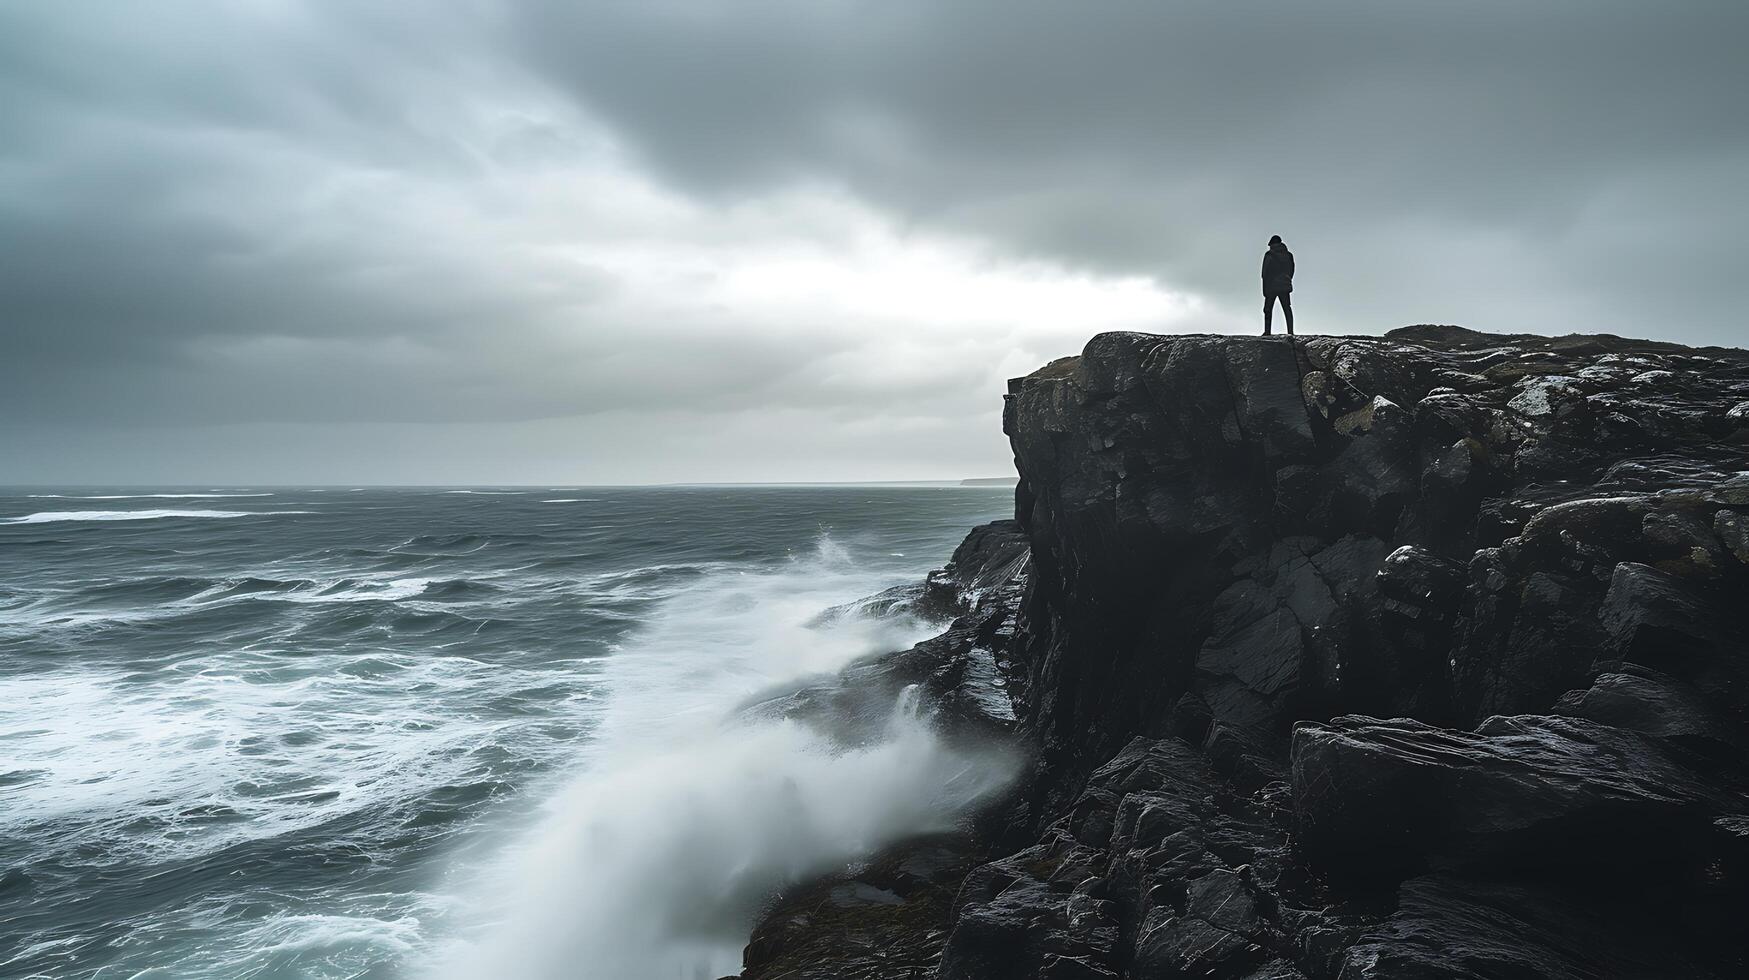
x=220, y=486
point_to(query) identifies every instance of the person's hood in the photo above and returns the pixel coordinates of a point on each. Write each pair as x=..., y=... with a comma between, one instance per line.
x=1278, y=247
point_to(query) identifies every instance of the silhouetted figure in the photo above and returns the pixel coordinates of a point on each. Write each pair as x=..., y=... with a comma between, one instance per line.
x=1278, y=283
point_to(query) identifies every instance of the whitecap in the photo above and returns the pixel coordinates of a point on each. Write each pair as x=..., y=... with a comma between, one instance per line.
x=390, y=591
x=686, y=815
x=147, y=750
x=340, y=590
x=146, y=496
x=305, y=932
x=57, y=516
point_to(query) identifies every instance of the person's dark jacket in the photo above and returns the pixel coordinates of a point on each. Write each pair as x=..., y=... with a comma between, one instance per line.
x=1278, y=270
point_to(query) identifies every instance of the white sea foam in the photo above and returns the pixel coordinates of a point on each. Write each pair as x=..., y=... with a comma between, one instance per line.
x=652, y=864
x=58, y=516
x=145, y=496
x=250, y=733
x=48, y=615
x=158, y=755
x=343, y=590
x=326, y=932
x=393, y=590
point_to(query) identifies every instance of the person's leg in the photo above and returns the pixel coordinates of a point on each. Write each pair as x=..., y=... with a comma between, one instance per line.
x=1287, y=313
x=1268, y=303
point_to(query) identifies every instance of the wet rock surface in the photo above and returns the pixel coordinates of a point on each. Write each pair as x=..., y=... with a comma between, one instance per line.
x=885, y=920
x=1415, y=656
x=1519, y=792
x=890, y=918
x=962, y=674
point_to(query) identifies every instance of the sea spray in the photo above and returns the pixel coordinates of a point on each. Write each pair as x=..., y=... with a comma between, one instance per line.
x=653, y=863
x=304, y=744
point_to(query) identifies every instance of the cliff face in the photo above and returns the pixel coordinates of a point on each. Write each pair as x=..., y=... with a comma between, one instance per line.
x=1246, y=554
x=1244, y=532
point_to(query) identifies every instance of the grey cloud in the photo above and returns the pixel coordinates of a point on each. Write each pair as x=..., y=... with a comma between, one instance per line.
x=1171, y=139
x=170, y=257
x=318, y=216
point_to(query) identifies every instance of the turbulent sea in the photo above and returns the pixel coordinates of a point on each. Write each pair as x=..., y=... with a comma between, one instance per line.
x=441, y=733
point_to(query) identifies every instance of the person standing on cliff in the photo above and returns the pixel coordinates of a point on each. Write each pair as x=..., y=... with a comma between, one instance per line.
x=1278, y=283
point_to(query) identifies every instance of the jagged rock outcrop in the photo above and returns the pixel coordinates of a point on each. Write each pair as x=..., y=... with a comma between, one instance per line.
x=890, y=917
x=961, y=674
x=1415, y=656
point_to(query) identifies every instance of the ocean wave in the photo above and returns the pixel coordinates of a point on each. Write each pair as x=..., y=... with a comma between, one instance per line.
x=219, y=591
x=327, y=932
x=448, y=545
x=353, y=590
x=145, y=496
x=310, y=590
x=218, y=735
x=248, y=585
x=150, y=589
x=655, y=868
x=491, y=493
x=59, y=516
x=237, y=751
x=458, y=545
x=688, y=816
x=649, y=581
x=161, y=599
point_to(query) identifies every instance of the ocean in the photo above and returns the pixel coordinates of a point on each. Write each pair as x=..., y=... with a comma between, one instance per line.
x=444, y=733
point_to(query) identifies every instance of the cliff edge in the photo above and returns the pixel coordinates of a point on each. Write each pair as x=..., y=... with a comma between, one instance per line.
x=1416, y=656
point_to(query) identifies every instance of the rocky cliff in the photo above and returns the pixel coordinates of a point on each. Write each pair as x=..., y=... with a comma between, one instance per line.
x=1421, y=656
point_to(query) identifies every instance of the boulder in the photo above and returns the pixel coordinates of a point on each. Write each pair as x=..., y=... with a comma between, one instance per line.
x=1377, y=797
x=1654, y=618
x=1222, y=930
x=1644, y=700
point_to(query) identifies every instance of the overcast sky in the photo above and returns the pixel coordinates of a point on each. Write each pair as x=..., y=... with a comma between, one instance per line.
x=486, y=241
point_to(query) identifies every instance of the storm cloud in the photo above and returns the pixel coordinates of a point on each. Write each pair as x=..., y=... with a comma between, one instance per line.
x=544, y=241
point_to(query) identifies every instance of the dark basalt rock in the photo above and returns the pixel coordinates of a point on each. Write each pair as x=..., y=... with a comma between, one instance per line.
x=1155, y=868
x=1222, y=926
x=1644, y=700
x=890, y=917
x=1528, y=791
x=886, y=920
x=991, y=558
x=959, y=674
x=1456, y=929
x=1420, y=656
x=1652, y=617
